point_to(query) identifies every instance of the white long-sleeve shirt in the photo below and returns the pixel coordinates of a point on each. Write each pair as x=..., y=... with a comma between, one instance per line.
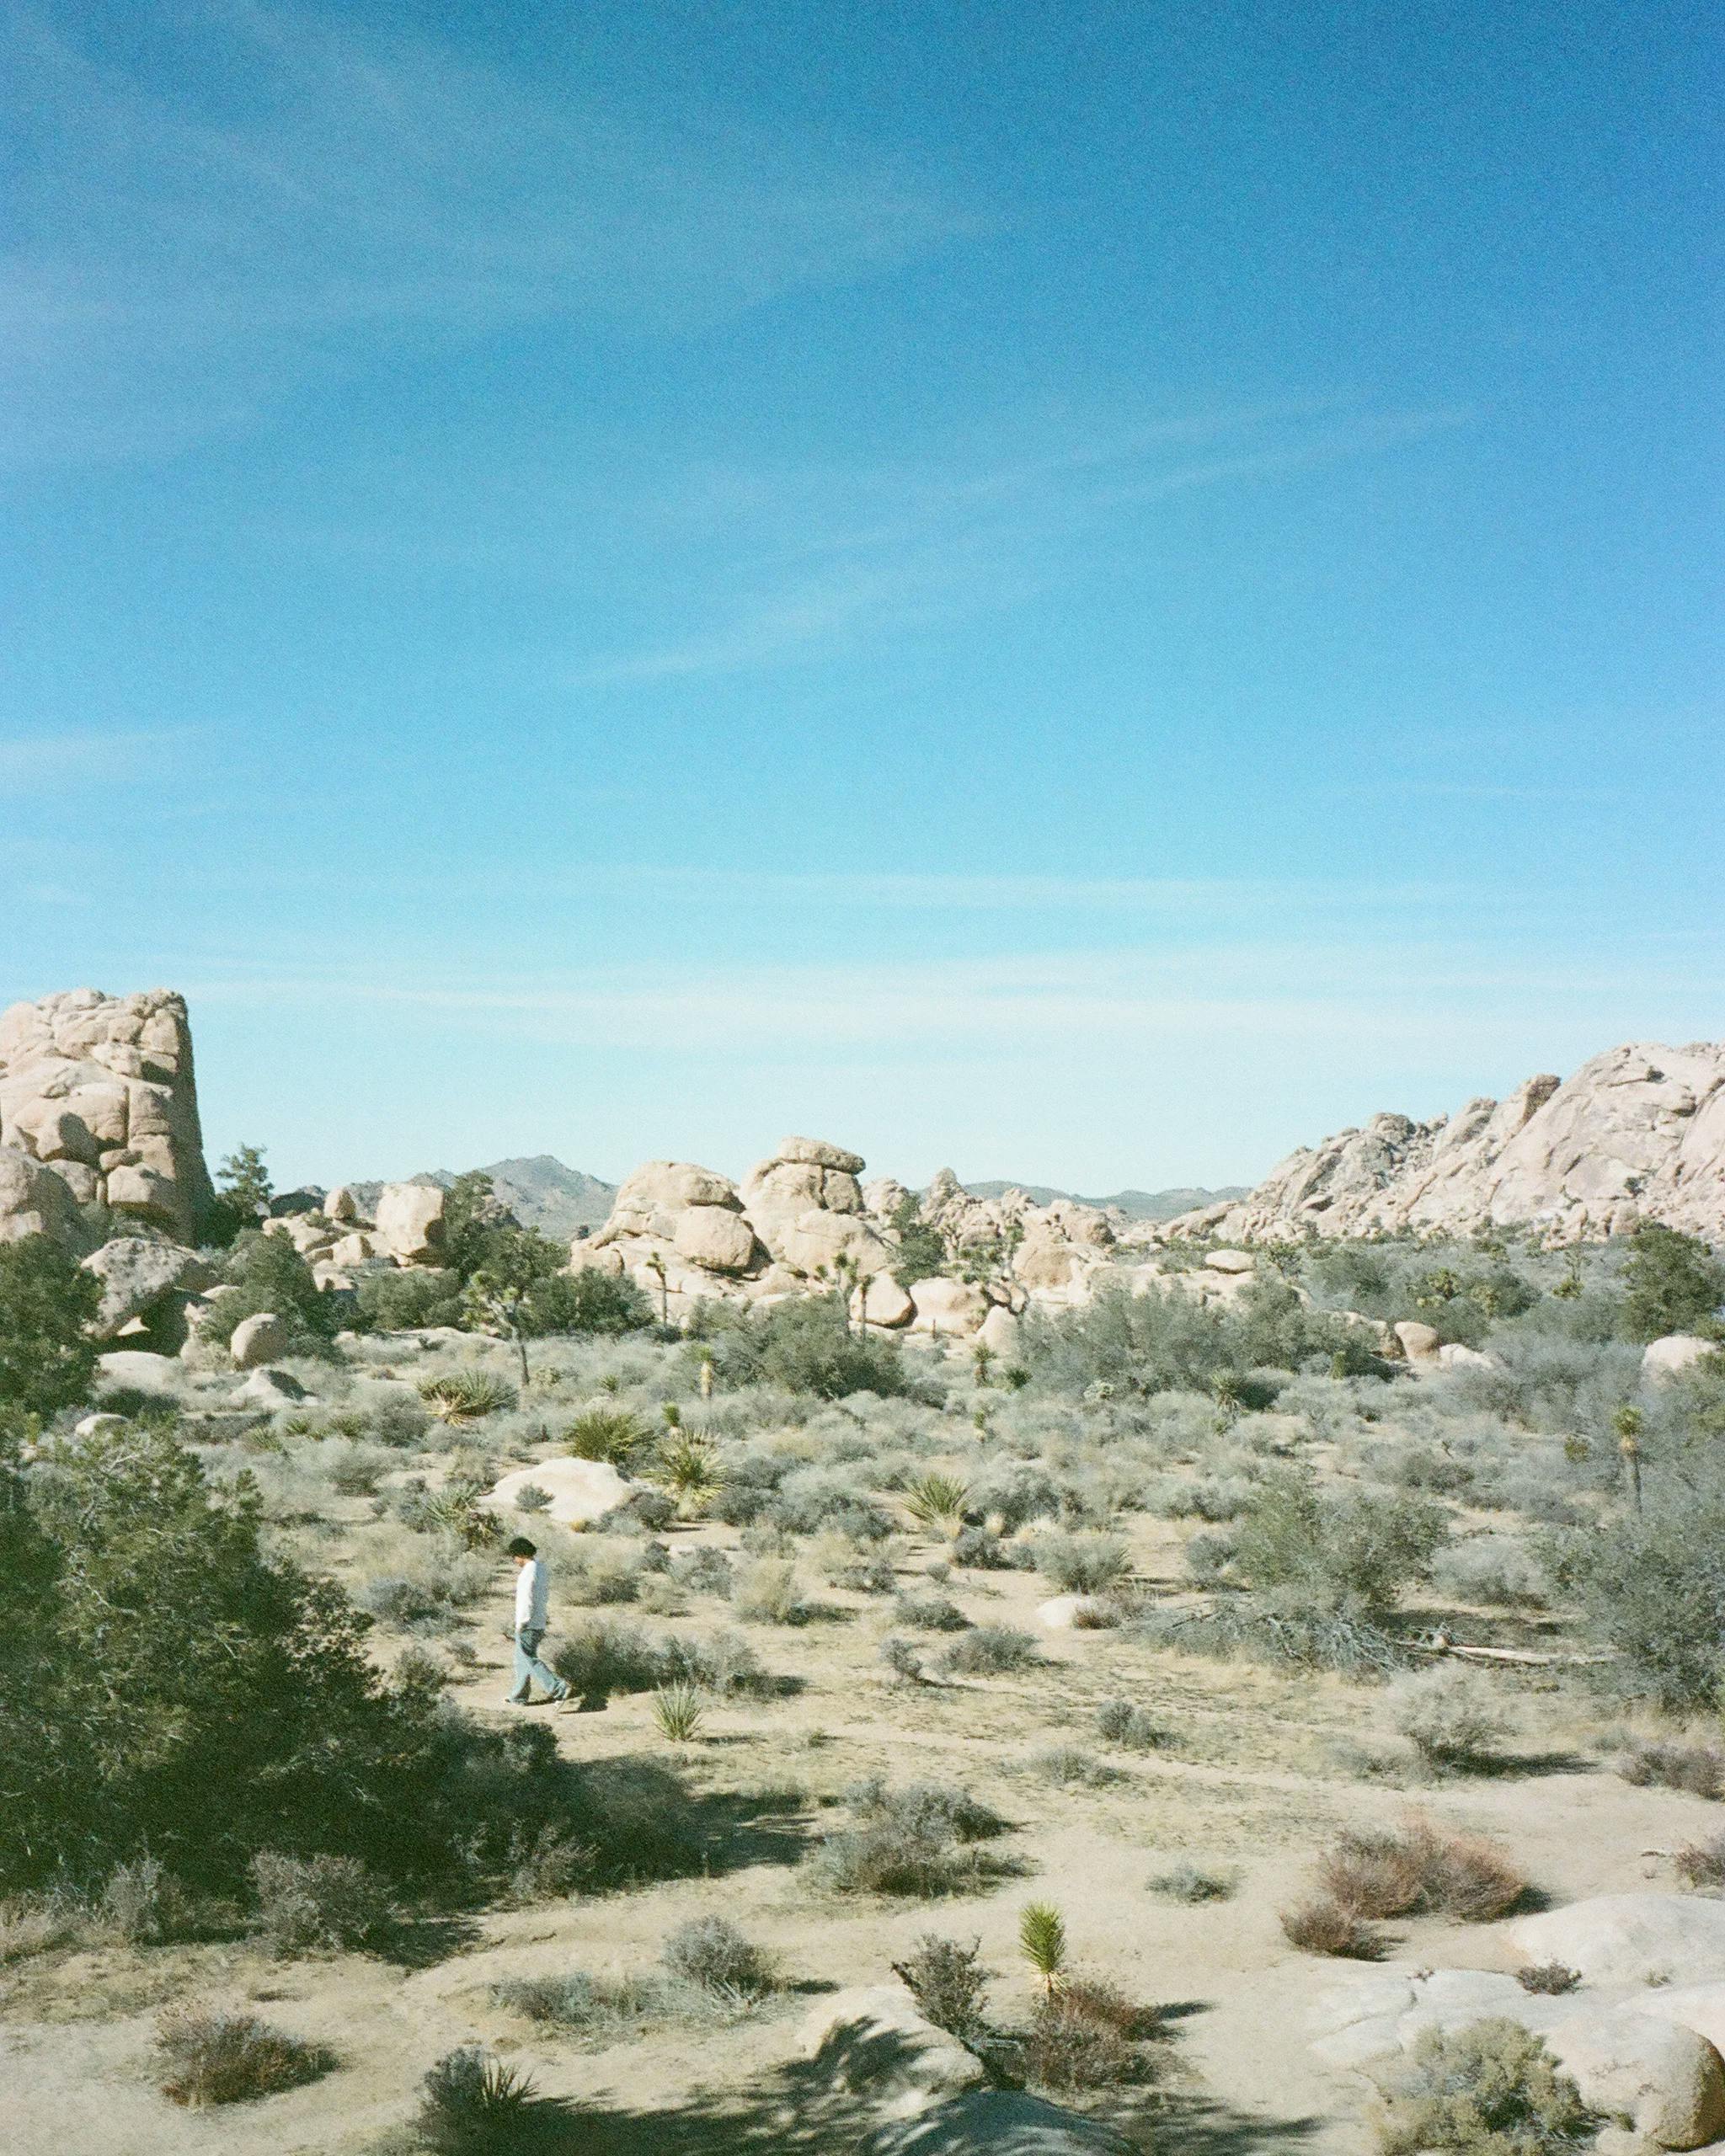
x=532, y=1589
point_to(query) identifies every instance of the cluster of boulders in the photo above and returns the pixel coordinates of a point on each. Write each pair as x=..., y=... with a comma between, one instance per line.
x=1641, y=2034
x=1637, y=1134
x=802, y=1220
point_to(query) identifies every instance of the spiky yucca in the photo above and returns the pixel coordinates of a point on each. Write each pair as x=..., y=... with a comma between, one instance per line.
x=1042, y=1940
x=937, y=1502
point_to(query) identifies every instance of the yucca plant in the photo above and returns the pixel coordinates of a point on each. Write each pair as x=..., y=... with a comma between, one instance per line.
x=1042, y=1940
x=687, y=1465
x=678, y=1710
x=608, y=1433
x=472, y=2102
x=937, y=1502
x=463, y=1397
x=456, y=1510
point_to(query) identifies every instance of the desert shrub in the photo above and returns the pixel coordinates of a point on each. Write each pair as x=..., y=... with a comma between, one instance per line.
x=712, y=1954
x=1548, y=1979
x=209, y=2056
x=1673, y=1282
x=982, y=1549
x=948, y=1982
x=1086, y=2034
x=397, y=1418
x=1700, y=1768
x=1652, y=1586
x=990, y=1650
x=1208, y=1554
x=1122, y=1722
x=471, y=2104
x=808, y=1346
x=930, y=1613
x=1492, y=1568
x=937, y=1503
x=1190, y=1882
x=678, y=1710
x=768, y=1593
x=461, y=1397
x=1419, y=1868
x=318, y=1904
x=47, y=1358
x=354, y=1471
x=1702, y=1864
x=904, y=1658
x=1069, y=1766
x=1490, y=2089
x=1322, y=1924
x=590, y=1303
x=141, y=1904
x=1452, y=1717
x=1333, y=1553
x=1082, y=1564
x=920, y=1840
x=705, y=1572
x=844, y=1563
x=403, y=1298
x=602, y=1656
x=268, y=1273
x=812, y=1499
x=606, y=1571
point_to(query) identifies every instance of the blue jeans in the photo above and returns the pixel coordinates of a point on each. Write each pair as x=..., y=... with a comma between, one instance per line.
x=528, y=1666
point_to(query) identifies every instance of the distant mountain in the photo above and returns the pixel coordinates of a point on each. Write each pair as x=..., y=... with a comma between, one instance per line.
x=1136, y=1205
x=540, y=1191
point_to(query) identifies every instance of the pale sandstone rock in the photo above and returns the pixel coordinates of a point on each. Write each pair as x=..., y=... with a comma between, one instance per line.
x=271, y=1389
x=1420, y=1343
x=341, y=1205
x=1640, y=1939
x=1636, y=1132
x=101, y=1087
x=872, y=2042
x=819, y=1153
x=138, y=1274
x=881, y=1300
x=1000, y=1330
x=409, y=1227
x=1675, y=1352
x=709, y=1236
x=581, y=1491
x=97, y=1426
x=352, y=1249
x=1667, y=2081
x=259, y=1341
x=137, y=1370
x=1230, y=1261
x=1070, y=1613
x=1454, y=1356
x=951, y=1307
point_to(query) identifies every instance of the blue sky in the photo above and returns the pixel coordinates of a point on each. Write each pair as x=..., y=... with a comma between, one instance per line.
x=1082, y=591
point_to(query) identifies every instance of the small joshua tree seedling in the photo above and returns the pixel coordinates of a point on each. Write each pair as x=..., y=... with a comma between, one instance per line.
x=1042, y=1940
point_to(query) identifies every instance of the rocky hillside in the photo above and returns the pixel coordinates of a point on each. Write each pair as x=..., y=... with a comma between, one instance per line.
x=1637, y=1134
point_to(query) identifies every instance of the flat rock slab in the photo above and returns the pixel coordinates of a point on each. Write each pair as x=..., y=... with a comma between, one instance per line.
x=997, y=2122
x=581, y=1491
x=1630, y=1938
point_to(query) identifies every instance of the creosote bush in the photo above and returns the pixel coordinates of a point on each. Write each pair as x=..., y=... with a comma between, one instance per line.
x=948, y=1981
x=711, y=1953
x=920, y=1840
x=1122, y=1722
x=1086, y=2034
x=1490, y=2089
x=1454, y=1718
x=988, y=1651
x=318, y=1904
x=1419, y=1867
x=1082, y=1564
x=1190, y=1882
x=1698, y=1767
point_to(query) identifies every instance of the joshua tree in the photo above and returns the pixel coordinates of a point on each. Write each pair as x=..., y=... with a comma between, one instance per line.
x=1629, y=1423
x=656, y=1266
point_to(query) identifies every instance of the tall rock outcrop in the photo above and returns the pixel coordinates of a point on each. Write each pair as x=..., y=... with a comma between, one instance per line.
x=99, y=1092
x=1637, y=1134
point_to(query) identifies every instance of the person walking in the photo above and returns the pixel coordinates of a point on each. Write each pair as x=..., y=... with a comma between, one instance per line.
x=532, y=1590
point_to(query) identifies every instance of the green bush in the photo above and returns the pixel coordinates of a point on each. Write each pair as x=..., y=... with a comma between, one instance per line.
x=921, y=1839
x=1082, y=1564
x=408, y=1297
x=948, y=1982
x=1673, y=1283
x=1652, y=1587
x=1333, y=1553
x=807, y=1346
x=1490, y=2089
x=318, y=1904
x=208, y=2056
x=46, y=1300
x=268, y=1273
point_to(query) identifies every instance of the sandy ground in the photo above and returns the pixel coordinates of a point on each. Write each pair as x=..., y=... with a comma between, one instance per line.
x=1248, y=1782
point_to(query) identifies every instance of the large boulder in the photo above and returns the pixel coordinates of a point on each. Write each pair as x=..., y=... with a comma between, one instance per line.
x=1673, y=1354
x=1632, y=1939
x=711, y=1236
x=143, y=1278
x=951, y=1307
x=582, y=1492
x=101, y=1090
x=873, y=2042
x=136, y=1370
x=34, y=1201
x=1419, y=1341
x=259, y=1341
x=1661, y=2077
x=880, y=1300
x=996, y=2123
x=409, y=1225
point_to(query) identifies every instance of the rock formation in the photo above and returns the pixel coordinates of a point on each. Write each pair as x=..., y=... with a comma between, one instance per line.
x=1637, y=1134
x=99, y=1090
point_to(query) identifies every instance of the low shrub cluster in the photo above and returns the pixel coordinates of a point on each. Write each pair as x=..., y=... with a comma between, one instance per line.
x=1371, y=1876
x=924, y=1839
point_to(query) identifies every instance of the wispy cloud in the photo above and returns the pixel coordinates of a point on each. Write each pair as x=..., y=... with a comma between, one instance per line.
x=45, y=763
x=307, y=192
x=815, y=563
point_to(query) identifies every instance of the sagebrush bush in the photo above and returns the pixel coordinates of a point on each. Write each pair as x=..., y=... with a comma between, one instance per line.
x=1454, y=1718
x=711, y=1953
x=1490, y=2089
x=949, y=1982
x=930, y=1613
x=1082, y=1564
x=1419, y=1867
x=919, y=1839
x=768, y=1593
x=1322, y=1924
x=1494, y=1569
x=1190, y=1882
x=1702, y=1864
x=990, y=1650
x=1086, y=2034
x=212, y=2055
x=316, y=1904
x=1698, y=1767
